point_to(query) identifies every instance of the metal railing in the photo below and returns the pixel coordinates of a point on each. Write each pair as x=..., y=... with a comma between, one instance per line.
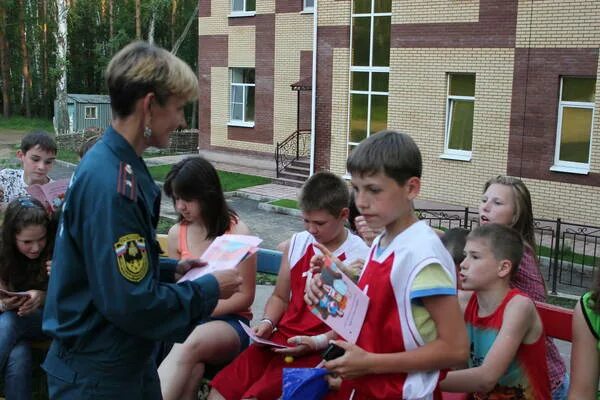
x=568, y=253
x=292, y=148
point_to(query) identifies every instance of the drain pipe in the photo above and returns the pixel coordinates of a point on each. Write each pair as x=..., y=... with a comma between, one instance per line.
x=313, y=111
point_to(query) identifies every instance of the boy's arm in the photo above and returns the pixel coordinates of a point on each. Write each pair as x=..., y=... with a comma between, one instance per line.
x=450, y=348
x=584, y=364
x=519, y=319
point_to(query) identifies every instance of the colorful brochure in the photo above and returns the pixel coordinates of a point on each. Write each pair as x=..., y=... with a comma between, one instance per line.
x=225, y=252
x=260, y=340
x=344, y=306
x=51, y=195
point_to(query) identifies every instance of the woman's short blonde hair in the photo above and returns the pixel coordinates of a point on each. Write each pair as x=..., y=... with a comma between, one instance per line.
x=140, y=68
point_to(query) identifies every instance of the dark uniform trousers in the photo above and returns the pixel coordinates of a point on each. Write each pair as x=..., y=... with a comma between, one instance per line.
x=72, y=377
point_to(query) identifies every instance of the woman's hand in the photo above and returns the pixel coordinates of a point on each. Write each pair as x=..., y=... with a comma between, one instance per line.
x=33, y=302
x=184, y=266
x=48, y=267
x=354, y=362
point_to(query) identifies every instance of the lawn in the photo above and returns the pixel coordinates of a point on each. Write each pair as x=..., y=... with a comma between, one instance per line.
x=287, y=203
x=68, y=156
x=230, y=180
x=26, y=124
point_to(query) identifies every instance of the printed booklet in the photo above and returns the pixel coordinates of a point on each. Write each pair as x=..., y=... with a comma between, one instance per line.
x=260, y=340
x=51, y=195
x=225, y=252
x=344, y=306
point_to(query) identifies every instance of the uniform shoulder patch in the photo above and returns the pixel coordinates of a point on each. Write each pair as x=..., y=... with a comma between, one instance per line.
x=126, y=182
x=132, y=257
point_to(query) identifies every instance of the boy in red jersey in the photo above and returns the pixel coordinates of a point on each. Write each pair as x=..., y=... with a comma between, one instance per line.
x=257, y=372
x=413, y=327
x=508, y=354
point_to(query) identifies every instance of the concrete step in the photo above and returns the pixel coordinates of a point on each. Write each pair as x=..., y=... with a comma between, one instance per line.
x=293, y=176
x=287, y=182
x=300, y=170
x=302, y=163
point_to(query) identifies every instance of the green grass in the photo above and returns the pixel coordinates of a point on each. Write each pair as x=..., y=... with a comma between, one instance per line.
x=164, y=224
x=265, y=279
x=26, y=124
x=568, y=255
x=229, y=180
x=287, y=203
x=68, y=156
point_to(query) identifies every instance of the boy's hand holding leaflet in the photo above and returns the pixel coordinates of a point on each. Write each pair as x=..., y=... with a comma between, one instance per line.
x=225, y=252
x=258, y=339
x=334, y=298
x=51, y=195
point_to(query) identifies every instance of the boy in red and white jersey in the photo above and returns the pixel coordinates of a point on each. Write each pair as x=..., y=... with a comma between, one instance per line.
x=413, y=328
x=257, y=372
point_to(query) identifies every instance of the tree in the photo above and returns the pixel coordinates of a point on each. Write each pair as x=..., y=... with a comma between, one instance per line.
x=138, y=19
x=62, y=115
x=4, y=64
x=24, y=59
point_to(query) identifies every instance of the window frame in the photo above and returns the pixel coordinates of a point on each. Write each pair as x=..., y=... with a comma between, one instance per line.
x=85, y=112
x=242, y=122
x=455, y=154
x=370, y=69
x=571, y=166
x=242, y=13
x=306, y=9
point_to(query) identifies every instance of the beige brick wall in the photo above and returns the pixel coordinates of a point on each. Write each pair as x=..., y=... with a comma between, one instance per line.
x=572, y=203
x=241, y=46
x=558, y=23
x=265, y=6
x=293, y=33
x=333, y=12
x=595, y=159
x=217, y=23
x=413, y=11
x=219, y=93
x=339, y=111
x=418, y=82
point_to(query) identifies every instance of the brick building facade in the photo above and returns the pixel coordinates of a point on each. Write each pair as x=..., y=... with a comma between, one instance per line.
x=485, y=87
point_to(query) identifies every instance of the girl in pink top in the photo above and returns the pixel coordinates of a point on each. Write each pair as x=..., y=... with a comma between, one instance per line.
x=194, y=186
x=506, y=200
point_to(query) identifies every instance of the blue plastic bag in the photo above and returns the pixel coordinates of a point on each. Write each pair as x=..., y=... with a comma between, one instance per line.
x=304, y=383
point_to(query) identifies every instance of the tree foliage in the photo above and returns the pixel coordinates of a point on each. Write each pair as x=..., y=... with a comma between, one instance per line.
x=94, y=35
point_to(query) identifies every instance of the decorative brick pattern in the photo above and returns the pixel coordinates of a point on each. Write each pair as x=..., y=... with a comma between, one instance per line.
x=536, y=88
x=558, y=23
x=437, y=11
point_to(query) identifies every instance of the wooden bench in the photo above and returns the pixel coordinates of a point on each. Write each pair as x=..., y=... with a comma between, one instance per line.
x=557, y=323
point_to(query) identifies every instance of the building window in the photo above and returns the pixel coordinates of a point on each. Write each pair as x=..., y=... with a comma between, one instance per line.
x=243, y=7
x=91, y=112
x=241, y=108
x=370, y=69
x=574, y=128
x=309, y=5
x=460, y=106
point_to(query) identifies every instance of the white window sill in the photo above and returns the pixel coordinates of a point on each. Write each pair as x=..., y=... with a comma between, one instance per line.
x=308, y=11
x=570, y=170
x=241, y=124
x=456, y=157
x=237, y=14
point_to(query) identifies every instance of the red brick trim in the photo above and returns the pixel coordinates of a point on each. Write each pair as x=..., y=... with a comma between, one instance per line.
x=288, y=6
x=264, y=72
x=534, y=109
x=496, y=28
x=204, y=8
x=328, y=38
x=213, y=53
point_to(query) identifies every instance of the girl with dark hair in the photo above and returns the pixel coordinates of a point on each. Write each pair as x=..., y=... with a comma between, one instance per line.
x=196, y=190
x=26, y=245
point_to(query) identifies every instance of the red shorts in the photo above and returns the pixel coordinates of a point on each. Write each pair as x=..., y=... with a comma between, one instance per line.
x=257, y=373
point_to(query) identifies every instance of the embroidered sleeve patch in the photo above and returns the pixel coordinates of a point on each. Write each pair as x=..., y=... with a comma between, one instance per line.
x=132, y=257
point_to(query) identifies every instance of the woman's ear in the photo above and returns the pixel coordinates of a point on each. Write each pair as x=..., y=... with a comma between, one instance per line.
x=147, y=101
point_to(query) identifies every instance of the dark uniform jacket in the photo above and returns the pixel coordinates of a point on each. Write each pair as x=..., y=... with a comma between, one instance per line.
x=106, y=300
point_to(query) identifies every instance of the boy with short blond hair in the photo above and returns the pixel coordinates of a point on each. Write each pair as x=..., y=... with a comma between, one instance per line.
x=413, y=327
x=257, y=372
x=508, y=353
